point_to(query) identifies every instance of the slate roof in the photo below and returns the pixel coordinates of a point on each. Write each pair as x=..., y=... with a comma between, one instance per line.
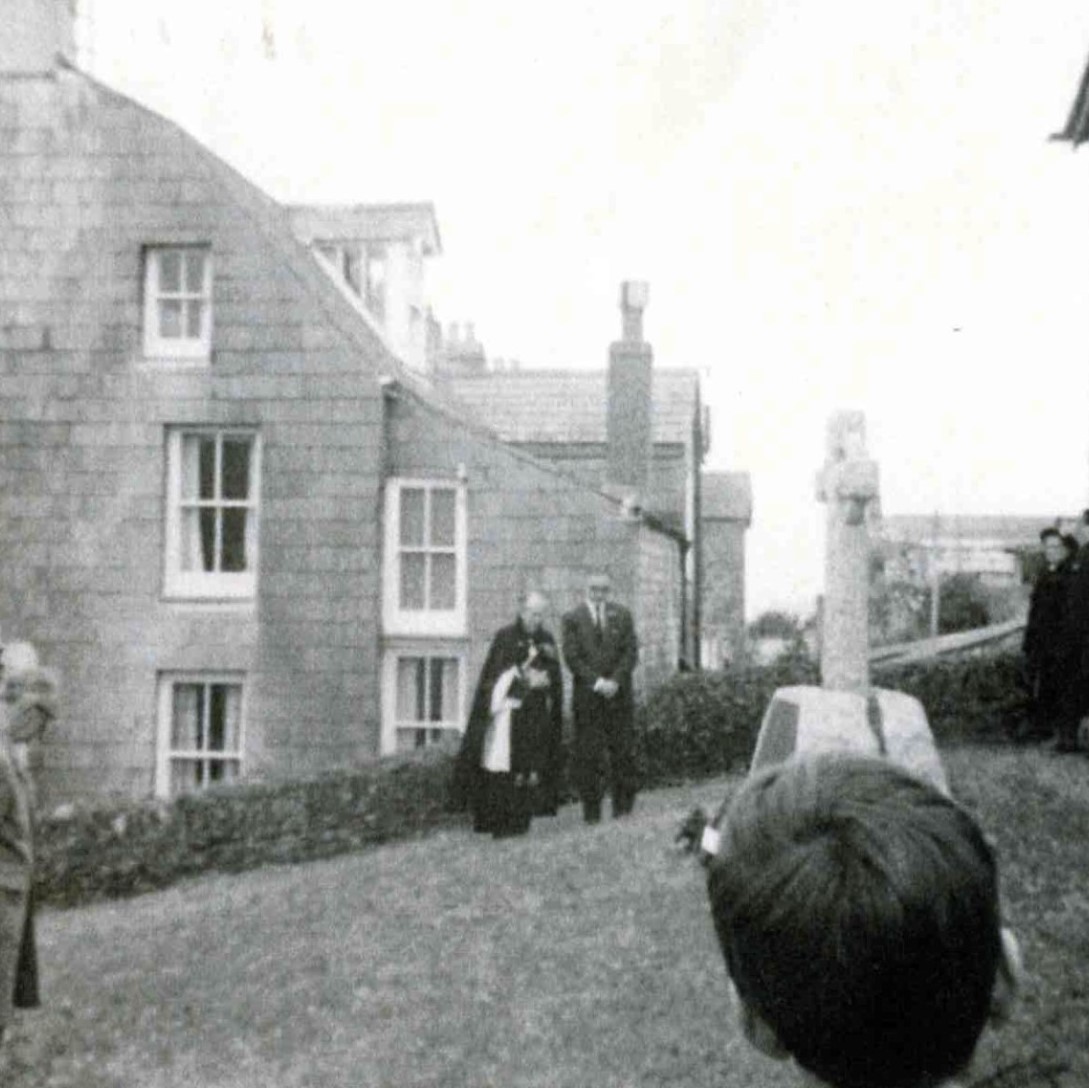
x=379, y=222
x=726, y=496
x=33, y=104
x=569, y=406
x=1007, y=529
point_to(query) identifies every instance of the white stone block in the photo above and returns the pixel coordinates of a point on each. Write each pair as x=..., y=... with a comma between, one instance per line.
x=806, y=720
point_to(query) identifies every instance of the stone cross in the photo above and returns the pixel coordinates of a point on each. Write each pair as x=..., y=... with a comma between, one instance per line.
x=847, y=483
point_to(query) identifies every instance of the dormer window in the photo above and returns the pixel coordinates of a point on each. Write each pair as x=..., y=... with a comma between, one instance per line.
x=362, y=266
x=178, y=302
x=376, y=280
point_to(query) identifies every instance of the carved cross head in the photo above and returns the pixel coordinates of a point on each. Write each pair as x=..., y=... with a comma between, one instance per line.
x=849, y=476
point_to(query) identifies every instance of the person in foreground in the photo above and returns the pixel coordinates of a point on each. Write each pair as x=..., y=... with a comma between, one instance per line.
x=857, y=908
x=28, y=705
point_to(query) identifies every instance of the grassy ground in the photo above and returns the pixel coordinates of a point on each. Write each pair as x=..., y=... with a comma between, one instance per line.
x=573, y=957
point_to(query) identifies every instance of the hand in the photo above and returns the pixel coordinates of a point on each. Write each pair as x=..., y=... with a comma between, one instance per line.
x=605, y=687
x=536, y=678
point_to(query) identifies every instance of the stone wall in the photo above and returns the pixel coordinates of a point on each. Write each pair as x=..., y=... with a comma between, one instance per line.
x=87, y=180
x=723, y=619
x=657, y=604
x=531, y=526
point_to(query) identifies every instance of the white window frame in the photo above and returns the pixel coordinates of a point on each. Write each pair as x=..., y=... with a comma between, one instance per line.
x=390, y=722
x=426, y=622
x=156, y=346
x=371, y=266
x=165, y=755
x=180, y=584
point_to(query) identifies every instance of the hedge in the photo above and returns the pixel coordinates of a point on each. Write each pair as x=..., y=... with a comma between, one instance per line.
x=699, y=725
x=107, y=851
x=696, y=725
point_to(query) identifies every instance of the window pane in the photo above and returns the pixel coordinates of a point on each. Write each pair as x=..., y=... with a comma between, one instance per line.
x=412, y=582
x=376, y=281
x=190, y=466
x=409, y=674
x=194, y=319
x=169, y=270
x=194, y=271
x=186, y=725
x=186, y=775
x=198, y=542
x=451, y=698
x=443, y=583
x=222, y=770
x=410, y=739
x=236, y=468
x=442, y=692
x=170, y=315
x=352, y=268
x=207, y=455
x=232, y=717
x=442, y=518
x=234, y=540
x=224, y=713
x=412, y=516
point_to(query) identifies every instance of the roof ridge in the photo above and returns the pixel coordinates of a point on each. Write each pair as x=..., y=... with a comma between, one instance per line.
x=297, y=258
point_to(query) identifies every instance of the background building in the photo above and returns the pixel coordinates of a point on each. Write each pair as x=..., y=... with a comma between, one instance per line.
x=254, y=541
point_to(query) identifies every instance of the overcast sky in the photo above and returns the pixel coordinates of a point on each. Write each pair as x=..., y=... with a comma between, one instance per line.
x=839, y=205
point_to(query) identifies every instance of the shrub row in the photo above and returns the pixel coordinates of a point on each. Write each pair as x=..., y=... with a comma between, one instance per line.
x=703, y=724
x=696, y=725
x=108, y=851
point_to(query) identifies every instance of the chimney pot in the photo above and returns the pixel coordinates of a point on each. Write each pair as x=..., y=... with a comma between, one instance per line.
x=629, y=407
x=35, y=34
x=633, y=301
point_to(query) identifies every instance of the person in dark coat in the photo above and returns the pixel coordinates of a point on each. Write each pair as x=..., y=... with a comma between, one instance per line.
x=601, y=650
x=509, y=761
x=1074, y=701
x=1045, y=644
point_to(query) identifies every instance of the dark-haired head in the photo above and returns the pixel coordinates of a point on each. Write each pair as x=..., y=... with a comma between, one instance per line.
x=857, y=908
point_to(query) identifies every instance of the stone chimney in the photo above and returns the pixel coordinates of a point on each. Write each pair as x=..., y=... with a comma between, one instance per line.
x=35, y=33
x=628, y=418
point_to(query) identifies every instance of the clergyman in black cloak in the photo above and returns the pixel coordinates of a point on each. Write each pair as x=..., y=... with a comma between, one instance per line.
x=511, y=757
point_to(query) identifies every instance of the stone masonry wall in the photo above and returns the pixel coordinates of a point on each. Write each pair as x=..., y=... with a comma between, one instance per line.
x=87, y=179
x=656, y=605
x=723, y=591
x=530, y=526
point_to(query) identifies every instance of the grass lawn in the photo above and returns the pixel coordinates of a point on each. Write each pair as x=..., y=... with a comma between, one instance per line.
x=579, y=958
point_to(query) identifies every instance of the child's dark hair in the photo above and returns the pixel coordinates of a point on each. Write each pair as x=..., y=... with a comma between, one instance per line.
x=857, y=908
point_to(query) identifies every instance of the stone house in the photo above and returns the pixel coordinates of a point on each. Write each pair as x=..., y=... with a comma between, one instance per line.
x=642, y=432
x=254, y=542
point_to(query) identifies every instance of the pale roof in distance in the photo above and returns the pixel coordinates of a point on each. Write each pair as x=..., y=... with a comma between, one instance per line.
x=368, y=222
x=569, y=406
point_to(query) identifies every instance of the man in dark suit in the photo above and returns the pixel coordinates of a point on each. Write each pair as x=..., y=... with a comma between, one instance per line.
x=600, y=648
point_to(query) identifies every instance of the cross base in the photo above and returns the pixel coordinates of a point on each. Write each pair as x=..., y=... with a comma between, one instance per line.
x=804, y=720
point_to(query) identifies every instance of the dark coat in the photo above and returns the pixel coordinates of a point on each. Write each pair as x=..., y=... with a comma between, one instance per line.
x=536, y=727
x=1046, y=636
x=18, y=958
x=592, y=655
